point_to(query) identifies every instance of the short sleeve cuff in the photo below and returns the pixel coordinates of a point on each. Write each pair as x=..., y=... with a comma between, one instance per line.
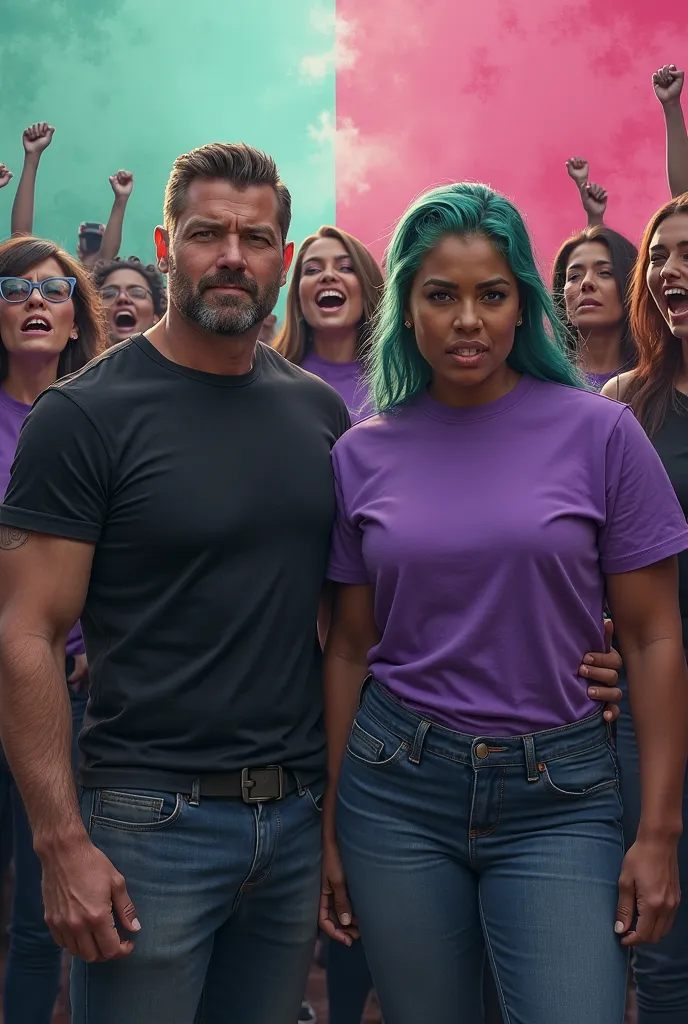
x=641, y=559
x=354, y=577
x=54, y=526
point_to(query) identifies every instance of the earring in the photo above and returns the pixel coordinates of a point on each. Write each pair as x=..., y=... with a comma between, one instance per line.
x=74, y=336
x=519, y=321
x=407, y=323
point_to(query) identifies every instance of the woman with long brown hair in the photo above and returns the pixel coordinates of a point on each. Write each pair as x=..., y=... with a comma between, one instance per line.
x=334, y=291
x=657, y=391
x=51, y=324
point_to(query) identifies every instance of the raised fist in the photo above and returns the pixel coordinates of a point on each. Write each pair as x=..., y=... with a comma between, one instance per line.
x=668, y=83
x=37, y=137
x=578, y=169
x=594, y=200
x=122, y=183
x=5, y=175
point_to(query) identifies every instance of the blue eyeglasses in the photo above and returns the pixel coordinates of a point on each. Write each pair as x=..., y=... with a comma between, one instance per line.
x=53, y=289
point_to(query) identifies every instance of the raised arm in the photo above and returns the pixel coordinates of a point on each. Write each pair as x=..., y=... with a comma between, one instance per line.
x=648, y=623
x=5, y=175
x=593, y=197
x=36, y=139
x=122, y=184
x=668, y=84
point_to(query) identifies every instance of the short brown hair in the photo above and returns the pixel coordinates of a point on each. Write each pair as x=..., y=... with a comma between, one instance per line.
x=17, y=257
x=294, y=339
x=239, y=164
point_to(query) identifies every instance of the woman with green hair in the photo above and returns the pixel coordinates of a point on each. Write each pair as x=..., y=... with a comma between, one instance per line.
x=485, y=517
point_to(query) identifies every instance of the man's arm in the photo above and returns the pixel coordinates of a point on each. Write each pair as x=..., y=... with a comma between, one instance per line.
x=668, y=84
x=122, y=184
x=36, y=140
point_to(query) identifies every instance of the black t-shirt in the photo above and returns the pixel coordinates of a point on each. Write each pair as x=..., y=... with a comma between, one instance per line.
x=209, y=500
x=671, y=442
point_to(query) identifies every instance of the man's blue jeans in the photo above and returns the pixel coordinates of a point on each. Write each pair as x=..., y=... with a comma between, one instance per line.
x=32, y=975
x=227, y=897
x=661, y=971
x=446, y=839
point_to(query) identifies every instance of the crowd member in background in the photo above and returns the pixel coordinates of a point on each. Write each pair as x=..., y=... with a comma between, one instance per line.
x=95, y=241
x=334, y=291
x=5, y=175
x=133, y=295
x=657, y=391
x=593, y=197
x=590, y=283
x=476, y=790
x=267, y=330
x=51, y=324
x=668, y=85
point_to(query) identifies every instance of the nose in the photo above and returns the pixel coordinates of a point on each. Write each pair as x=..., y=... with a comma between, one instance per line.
x=329, y=274
x=467, y=317
x=232, y=257
x=588, y=282
x=672, y=268
x=123, y=298
x=35, y=299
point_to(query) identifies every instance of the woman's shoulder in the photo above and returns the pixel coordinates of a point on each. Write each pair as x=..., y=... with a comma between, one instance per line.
x=617, y=387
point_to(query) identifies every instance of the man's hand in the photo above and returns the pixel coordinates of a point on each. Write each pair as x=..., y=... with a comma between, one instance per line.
x=37, y=138
x=5, y=175
x=594, y=200
x=78, y=680
x=668, y=83
x=122, y=184
x=578, y=170
x=84, y=898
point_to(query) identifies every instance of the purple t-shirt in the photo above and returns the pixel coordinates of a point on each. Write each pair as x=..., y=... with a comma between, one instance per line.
x=596, y=381
x=12, y=416
x=487, y=532
x=347, y=381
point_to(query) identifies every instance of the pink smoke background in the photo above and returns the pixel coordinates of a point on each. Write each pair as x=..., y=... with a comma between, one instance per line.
x=437, y=91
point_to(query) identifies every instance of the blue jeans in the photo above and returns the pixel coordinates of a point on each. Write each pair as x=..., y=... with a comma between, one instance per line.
x=32, y=974
x=348, y=982
x=227, y=896
x=451, y=844
x=661, y=971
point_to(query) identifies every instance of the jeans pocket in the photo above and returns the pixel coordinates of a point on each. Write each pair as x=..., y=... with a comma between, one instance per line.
x=135, y=810
x=314, y=795
x=378, y=750
x=582, y=773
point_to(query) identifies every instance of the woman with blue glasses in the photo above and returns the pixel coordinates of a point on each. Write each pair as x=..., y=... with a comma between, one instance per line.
x=51, y=324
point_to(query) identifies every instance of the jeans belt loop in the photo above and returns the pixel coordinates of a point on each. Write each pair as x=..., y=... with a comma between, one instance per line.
x=364, y=686
x=531, y=765
x=418, y=740
x=195, y=798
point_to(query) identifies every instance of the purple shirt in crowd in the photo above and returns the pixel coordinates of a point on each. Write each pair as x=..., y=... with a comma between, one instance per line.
x=487, y=533
x=12, y=416
x=347, y=381
x=596, y=381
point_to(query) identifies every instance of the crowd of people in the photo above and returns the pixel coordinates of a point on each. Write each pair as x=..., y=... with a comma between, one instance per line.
x=333, y=608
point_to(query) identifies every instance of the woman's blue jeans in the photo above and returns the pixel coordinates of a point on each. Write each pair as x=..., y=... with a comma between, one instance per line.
x=32, y=974
x=661, y=971
x=452, y=844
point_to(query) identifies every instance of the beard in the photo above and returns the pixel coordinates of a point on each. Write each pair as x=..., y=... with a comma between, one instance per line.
x=226, y=315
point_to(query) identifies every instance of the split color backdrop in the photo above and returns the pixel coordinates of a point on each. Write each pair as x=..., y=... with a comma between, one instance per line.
x=363, y=105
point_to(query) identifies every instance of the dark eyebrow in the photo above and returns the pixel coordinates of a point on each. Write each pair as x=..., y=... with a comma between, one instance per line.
x=318, y=259
x=597, y=263
x=450, y=284
x=264, y=229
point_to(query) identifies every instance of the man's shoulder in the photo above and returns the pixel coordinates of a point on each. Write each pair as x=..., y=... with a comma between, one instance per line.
x=305, y=384
x=94, y=380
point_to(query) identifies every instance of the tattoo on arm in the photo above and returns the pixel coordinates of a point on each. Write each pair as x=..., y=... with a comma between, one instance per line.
x=11, y=538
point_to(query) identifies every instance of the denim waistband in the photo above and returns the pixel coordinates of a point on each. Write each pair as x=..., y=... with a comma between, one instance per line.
x=423, y=734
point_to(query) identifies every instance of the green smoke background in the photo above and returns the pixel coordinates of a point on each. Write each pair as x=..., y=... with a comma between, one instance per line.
x=133, y=84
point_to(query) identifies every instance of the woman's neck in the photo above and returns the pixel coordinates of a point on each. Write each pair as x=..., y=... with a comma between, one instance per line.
x=336, y=346
x=681, y=382
x=599, y=351
x=27, y=378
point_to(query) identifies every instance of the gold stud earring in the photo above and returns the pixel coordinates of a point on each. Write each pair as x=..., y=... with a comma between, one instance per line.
x=407, y=323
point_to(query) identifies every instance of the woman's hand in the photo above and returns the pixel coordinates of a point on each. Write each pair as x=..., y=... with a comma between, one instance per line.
x=602, y=671
x=649, y=891
x=336, y=916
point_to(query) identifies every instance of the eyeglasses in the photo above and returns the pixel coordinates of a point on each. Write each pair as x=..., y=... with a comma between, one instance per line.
x=135, y=291
x=53, y=289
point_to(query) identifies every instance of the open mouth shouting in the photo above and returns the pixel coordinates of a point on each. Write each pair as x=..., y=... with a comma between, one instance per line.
x=676, y=299
x=330, y=299
x=36, y=326
x=124, y=321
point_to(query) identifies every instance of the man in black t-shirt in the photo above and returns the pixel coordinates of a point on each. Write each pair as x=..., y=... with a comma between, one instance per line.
x=176, y=495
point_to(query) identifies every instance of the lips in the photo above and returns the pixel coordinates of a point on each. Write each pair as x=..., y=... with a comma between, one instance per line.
x=330, y=298
x=36, y=325
x=125, y=320
x=676, y=299
x=588, y=304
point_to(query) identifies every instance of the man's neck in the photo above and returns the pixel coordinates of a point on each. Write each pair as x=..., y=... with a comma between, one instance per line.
x=337, y=346
x=191, y=346
x=27, y=378
x=599, y=351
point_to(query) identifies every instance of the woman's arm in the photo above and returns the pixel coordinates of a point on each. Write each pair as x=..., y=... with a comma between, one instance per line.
x=35, y=139
x=668, y=83
x=352, y=633
x=645, y=608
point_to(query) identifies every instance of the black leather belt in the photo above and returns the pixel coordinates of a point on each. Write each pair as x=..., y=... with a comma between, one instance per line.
x=253, y=785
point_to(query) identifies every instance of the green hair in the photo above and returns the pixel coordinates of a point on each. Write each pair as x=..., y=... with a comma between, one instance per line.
x=398, y=372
